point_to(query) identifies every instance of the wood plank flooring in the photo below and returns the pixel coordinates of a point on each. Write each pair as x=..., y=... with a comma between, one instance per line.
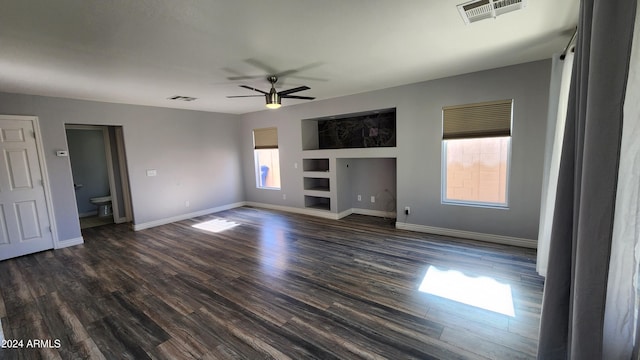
x=277, y=285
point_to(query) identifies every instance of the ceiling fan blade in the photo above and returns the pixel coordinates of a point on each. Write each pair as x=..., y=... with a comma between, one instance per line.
x=302, y=68
x=245, y=77
x=236, y=75
x=286, y=73
x=273, y=72
x=309, y=78
x=290, y=91
x=239, y=96
x=297, y=97
x=254, y=89
x=260, y=65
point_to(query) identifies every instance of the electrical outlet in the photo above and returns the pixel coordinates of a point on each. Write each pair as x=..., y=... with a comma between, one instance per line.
x=407, y=210
x=187, y=203
x=359, y=197
x=284, y=196
x=373, y=199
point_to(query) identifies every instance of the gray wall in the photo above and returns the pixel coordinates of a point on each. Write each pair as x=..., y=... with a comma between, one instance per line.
x=366, y=177
x=195, y=154
x=373, y=177
x=344, y=193
x=89, y=167
x=419, y=131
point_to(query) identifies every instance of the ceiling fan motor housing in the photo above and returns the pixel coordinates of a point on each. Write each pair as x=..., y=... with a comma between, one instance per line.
x=273, y=97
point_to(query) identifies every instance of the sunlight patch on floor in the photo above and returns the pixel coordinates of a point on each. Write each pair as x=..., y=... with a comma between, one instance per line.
x=216, y=225
x=478, y=291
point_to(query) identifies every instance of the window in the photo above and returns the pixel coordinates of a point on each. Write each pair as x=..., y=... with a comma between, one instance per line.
x=267, y=158
x=476, y=146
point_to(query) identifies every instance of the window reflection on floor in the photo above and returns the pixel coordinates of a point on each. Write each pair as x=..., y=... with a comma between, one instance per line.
x=216, y=225
x=479, y=291
x=274, y=247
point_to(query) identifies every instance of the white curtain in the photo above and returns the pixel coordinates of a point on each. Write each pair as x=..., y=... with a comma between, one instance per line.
x=557, y=114
x=621, y=313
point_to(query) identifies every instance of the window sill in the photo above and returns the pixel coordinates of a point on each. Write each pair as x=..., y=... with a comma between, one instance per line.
x=478, y=205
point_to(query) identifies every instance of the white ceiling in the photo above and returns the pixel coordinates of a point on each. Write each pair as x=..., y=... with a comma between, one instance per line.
x=144, y=51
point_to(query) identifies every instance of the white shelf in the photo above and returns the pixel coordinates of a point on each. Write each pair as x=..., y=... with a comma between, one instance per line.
x=316, y=174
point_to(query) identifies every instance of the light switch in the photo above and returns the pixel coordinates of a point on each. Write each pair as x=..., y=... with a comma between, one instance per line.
x=152, y=172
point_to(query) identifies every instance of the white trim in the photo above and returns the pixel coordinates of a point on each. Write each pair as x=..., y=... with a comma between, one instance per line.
x=150, y=224
x=345, y=213
x=110, y=172
x=83, y=127
x=45, y=181
x=498, y=239
x=70, y=242
x=124, y=174
x=377, y=213
x=321, y=213
x=303, y=211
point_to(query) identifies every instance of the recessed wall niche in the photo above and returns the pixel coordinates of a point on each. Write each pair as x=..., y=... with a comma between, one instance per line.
x=360, y=130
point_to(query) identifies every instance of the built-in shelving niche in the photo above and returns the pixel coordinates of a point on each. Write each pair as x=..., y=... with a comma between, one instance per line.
x=316, y=165
x=317, y=202
x=375, y=128
x=316, y=184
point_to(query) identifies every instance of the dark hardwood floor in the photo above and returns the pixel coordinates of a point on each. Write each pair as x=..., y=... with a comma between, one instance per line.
x=276, y=286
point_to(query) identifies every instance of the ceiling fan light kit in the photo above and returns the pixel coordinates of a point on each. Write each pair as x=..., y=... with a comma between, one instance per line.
x=273, y=100
x=273, y=97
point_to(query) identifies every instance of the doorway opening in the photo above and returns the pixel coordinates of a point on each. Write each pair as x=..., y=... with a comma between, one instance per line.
x=100, y=177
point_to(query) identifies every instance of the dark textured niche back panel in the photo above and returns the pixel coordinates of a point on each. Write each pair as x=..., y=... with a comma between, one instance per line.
x=364, y=131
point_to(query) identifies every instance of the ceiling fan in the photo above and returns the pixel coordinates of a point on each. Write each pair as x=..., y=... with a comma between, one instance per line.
x=274, y=97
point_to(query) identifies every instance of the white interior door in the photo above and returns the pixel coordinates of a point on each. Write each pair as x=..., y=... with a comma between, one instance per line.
x=24, y=219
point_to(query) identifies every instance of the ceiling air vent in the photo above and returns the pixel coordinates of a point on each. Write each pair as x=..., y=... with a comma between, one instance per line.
x=485, y=9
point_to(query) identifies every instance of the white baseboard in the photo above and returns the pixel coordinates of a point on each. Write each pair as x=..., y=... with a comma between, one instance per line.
x=377, y=213
x=295, y=210
x=345, y=213
x=321, y=213
x=70, y=242
x=150, y=224
x=498, y=239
